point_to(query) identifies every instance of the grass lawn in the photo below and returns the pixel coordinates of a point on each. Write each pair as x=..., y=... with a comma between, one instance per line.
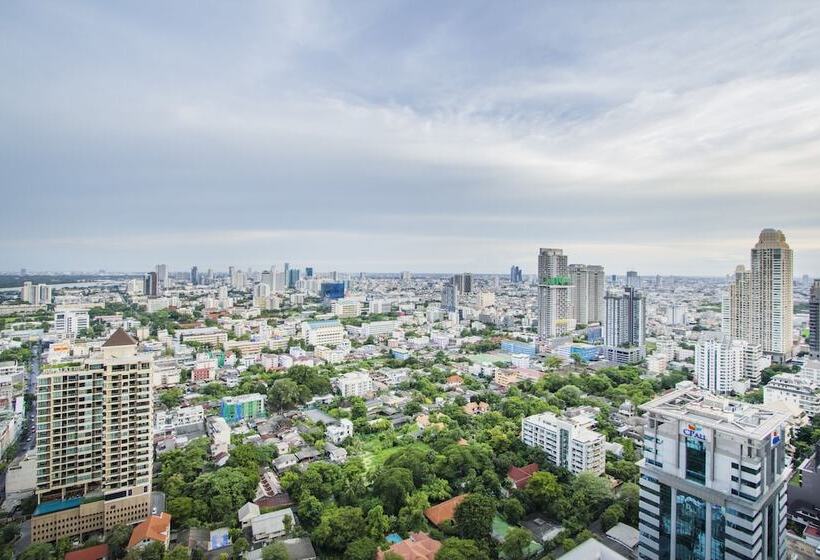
x=374, y=456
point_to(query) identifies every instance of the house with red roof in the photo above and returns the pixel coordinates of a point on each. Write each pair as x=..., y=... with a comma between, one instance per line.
x=156, y=528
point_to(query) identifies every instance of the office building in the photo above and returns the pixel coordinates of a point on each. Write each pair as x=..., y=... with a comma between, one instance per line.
x=793, y=389
x=69, y=323
x=162, y=276
x=758, y=304
x=676, y=314
x=516, y=277
x=323, y=333
x=625, y=325
x=332, y=290
x=814, y=319
x=242, y=407
x=195, y=276
x=94, y=442
x=150, y=285
x=555, y=312
x=633, y=280
x=463, y=283
x=293, y=277
x=354, y=384
x=566, y=443
x=449, y=297
x=588, y=293
x=713, y=479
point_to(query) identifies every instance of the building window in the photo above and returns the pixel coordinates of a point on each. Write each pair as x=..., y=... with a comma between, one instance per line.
x=690, y=528
x=695, y=460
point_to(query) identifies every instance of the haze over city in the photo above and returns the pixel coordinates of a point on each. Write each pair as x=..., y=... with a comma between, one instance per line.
x=393, y=136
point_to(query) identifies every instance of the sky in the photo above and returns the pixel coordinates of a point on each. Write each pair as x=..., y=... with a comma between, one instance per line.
x=423, y=136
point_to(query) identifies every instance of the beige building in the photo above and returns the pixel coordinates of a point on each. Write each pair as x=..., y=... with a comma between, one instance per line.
x=94, y=455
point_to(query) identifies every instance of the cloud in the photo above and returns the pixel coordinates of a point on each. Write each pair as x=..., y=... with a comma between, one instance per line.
x=635, y=136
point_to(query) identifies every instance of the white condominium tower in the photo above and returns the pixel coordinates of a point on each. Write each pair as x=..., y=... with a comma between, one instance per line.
x=567, y=444
x=758, y=307
x=555, y=313
x=713, y=479
x=720, y=362
x=588, y=293
x=94, y=442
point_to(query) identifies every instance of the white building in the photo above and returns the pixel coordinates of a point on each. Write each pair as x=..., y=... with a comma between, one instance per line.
x=720, y=363
x=354, y=384
x=795, y=390
x=323, y=333
x=588, y=295
x=346, y=308
x=337, y=433
x=179, y=417
x=69, y=323
x=566, y=443
x=713, y=478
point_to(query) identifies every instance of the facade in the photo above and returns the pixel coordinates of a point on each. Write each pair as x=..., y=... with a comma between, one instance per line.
x=555, y=312
x=721, y=362
x=814, y=319
x=94, y=442
x=449, y=297
x=625, y=325
x=795, y=390
x=332, y=290
x=758, y=304
x=713, y=479
x=588, y=295
x=70, y=323
x=566, y=443
x=242, y=407
x=354, y=384
x=323, y=333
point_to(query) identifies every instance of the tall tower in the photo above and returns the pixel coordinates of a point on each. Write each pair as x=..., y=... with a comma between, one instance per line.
x=555, y=314
x=736, y=304
x=588, y=293
x=625, y=325
x=814, y=319
x=771, y=311
x=94, y=442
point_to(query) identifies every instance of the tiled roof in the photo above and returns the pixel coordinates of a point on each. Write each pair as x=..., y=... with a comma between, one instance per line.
x=119, y=338
x=155, y=528
x=444, y=511
x=91, y=553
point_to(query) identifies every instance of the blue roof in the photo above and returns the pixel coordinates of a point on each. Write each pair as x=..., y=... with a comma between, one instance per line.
x=322, y=323
x=57, y=505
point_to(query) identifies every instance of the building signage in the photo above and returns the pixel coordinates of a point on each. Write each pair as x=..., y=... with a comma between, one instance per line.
x=775, y=438
x=694, y=431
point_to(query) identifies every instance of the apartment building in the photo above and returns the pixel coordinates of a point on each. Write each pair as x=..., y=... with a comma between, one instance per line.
x=354, y=384
x=211, y=336
x=242, y=407
x=69, y=323
x=94, y=442
x=325, y=333
x=566, y=443
x=347, y=308
x=722, y=363
x=713, y=478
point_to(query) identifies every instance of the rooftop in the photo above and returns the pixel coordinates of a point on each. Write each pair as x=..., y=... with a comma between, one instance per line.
x=119, y=338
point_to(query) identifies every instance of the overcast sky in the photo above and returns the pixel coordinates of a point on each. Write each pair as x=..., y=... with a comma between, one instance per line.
x=423, y=136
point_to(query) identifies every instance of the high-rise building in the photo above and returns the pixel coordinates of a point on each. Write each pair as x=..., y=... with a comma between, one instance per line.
x=588, y=293
x=567, y=444
x=515, y=275
x=94, y=442
x=36, y=294
x=625, y=325
x=814, y=319
x=721, y=362
x=463, y=283
x=162, y=276
x=150, y=286
x=555, y=312
x=294, y=274
x=713, y=479
x=194, y=276
x=758, y=305
x=70, y=323
x=449, y=297
x=632, y=279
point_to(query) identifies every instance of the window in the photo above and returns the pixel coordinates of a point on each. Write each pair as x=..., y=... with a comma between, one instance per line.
x=690, y=527
x=695, y=460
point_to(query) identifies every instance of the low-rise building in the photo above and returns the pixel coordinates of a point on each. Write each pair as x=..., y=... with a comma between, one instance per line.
x=354, y=384
x=793, y=389
x=567, y=444
x=242, y=407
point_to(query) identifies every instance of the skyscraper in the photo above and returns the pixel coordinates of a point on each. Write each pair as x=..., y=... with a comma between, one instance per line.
x=814, y=319
x=36, y=294
x=588, y=293
x=713, y=479
x=150, y=285
x=449, y=297
x=758, y=304
x=555, y=313
x=632, y=279
x=515, y=275
x=625, y=325
x=162, y=275
x=94, y=442
x=463, y=283
x=194, y=276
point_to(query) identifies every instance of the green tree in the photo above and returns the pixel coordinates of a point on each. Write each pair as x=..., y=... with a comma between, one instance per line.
x=178, y=553
x=284, y=393
x=62, y=547
x=39, y=551
x=377, y=523
x=545, y=493
x=411, y=516
x=361, y=549
x=117, y=539
x=153, y=551
x=275, y=551
x=393, y=485
x=339, y=527
x=511, y=509
x=516, y=544
x=474, y=517
x=171, y=398
x=461, y=549
x=310, y=510
x=590, y=494
x=239, y=547
x=628, y=498
x=611, y=516
x=9, y=533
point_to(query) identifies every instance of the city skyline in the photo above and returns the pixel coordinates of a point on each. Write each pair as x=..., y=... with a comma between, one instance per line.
x=398, y=138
